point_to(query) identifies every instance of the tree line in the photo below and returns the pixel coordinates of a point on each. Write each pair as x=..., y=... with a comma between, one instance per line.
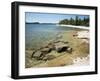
x=77, y=21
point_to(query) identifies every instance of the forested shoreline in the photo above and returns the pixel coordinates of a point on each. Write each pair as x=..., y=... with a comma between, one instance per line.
x=77, y=21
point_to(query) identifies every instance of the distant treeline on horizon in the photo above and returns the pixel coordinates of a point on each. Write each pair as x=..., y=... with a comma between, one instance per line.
x=77, y=21
x=38, y=23
x=72, y=21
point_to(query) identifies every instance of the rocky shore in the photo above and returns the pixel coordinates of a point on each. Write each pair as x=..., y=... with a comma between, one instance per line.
x=62, y=51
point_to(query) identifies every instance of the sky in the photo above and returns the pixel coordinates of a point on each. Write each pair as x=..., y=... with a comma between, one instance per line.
x=49, y=17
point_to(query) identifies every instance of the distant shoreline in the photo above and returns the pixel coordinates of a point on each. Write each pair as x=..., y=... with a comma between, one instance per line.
x=73, y=26
x=63, y=25
x=41, y=23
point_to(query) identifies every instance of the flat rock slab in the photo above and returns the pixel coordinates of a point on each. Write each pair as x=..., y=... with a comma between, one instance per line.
x=37, y=54
x=46, y=50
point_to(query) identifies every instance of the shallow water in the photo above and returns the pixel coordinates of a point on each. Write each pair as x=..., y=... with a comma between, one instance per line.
x=37, y=35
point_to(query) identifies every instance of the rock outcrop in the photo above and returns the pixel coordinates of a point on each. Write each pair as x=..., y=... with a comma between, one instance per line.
x=58, y=46
x=61, y=47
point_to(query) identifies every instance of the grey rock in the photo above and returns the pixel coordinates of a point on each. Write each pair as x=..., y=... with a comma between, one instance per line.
x=57, y=41
x=61, y=47
x=69, y=50
x=37, y=54
x=46, y=50
x=61, y=41
x=43, y=52
x=51, y=47
x=33, y=53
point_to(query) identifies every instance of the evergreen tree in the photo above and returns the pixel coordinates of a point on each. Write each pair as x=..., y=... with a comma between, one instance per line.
x=77, y=21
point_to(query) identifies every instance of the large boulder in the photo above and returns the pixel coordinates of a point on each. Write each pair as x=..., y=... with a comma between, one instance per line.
x=61, y=47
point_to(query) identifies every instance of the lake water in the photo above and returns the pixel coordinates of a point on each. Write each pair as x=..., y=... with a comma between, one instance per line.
x=37, y=35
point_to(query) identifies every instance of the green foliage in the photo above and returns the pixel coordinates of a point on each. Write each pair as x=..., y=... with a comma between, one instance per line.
x=77, y=21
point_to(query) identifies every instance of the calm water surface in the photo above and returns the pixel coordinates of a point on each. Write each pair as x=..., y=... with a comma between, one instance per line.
x=37, y=35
